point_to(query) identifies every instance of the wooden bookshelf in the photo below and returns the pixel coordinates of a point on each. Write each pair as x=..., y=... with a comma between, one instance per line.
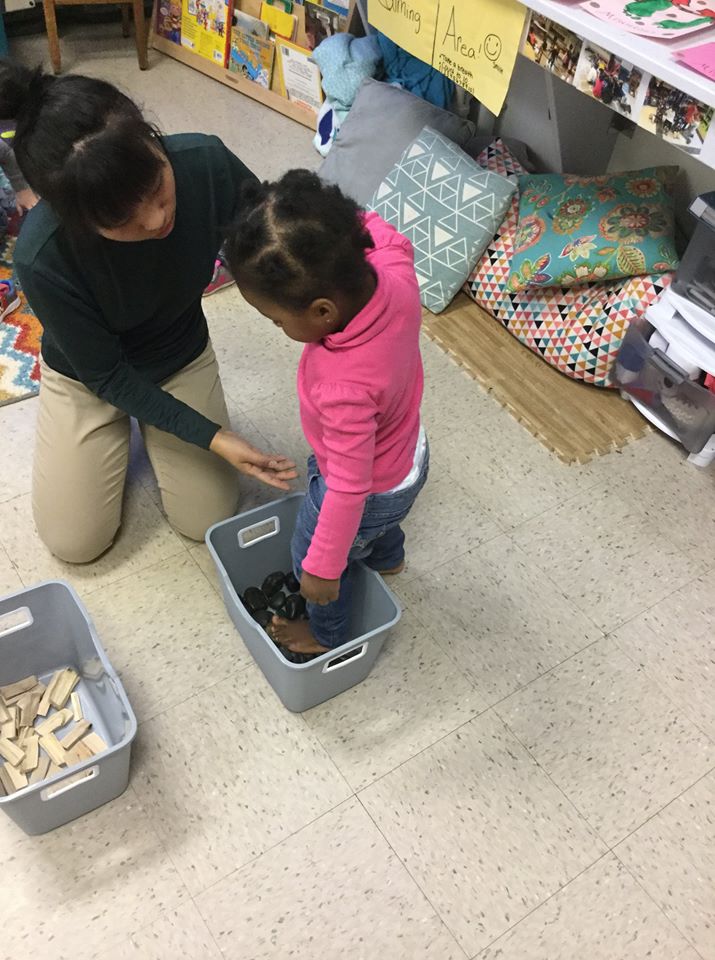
x=269, y=98
x=272, y=98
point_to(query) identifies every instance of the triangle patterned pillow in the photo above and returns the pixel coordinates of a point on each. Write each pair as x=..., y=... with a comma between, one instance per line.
x=448, y=206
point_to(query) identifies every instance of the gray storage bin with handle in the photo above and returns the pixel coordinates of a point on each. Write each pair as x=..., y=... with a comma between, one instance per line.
x=43, y=629
x=245, y=550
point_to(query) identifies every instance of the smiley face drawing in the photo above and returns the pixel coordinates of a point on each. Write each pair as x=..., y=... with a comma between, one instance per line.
x=492, y=47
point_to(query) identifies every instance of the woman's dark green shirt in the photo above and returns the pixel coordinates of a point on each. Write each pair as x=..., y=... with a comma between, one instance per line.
x=123, y=317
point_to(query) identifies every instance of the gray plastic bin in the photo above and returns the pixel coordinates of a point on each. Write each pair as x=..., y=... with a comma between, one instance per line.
x=43, y=629
x=245, y=550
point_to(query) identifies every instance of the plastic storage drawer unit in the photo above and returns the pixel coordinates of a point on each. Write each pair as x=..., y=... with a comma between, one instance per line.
x=44, y=629
x=245, y=550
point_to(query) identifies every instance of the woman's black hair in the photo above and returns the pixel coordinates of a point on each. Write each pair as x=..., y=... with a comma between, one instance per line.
x=297, y=240
x=81, y=144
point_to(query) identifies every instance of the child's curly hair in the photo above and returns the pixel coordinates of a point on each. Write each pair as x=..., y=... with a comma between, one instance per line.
x=297, y=240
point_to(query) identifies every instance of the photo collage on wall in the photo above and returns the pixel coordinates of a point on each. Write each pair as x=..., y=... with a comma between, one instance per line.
x=650, y=103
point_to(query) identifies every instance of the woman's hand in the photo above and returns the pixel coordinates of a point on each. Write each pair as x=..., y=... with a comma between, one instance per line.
x=25, y=200
x=317, y=590
x=271, y=469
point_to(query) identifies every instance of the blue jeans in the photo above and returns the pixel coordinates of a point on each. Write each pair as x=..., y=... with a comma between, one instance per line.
x=380, y=543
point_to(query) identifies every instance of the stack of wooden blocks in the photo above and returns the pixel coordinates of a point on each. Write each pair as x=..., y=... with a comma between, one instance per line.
x=31, y=713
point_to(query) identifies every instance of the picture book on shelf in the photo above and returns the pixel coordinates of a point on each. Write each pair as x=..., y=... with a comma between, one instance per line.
x=281, y=23
x=299, y=77
x=252, y=57
x=168, y=20
x=337, y=6
x=320, y=23
x=250, y=24
x=205, y=28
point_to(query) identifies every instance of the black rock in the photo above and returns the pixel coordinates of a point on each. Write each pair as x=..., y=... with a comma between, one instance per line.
x=295, y=657
x=277, y=600
x=254, y=599
x=292, y=583
x=263, y=617
x=294, y=606
x=273, y=582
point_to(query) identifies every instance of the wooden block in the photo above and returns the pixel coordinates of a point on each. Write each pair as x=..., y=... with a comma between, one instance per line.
x=79, y=753
x=8, y=730
x=7, y=785
x=11, y=752
x=38, y=688
x=76, y=707
x=54, y=721
x=17, y=780
x=11, y=690
x=64, y=687
x=95, y=743
x=40, y=771
x=31, y=747
x=22, y=735
x=45, y=704
x=53, y=769
x=4, y=713
x=54, y=750
x=75, y=734
x=82, y=750
x=27, y=705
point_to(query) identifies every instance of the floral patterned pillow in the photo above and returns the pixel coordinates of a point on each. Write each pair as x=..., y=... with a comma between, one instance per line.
x=575, y=230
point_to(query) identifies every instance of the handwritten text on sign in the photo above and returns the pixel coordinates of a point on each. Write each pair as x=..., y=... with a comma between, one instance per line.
x=473, y=42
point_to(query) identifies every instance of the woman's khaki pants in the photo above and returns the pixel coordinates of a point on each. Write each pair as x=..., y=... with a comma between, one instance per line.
x=82, y=453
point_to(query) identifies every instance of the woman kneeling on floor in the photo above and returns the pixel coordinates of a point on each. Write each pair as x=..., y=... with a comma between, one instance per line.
x=114, y=260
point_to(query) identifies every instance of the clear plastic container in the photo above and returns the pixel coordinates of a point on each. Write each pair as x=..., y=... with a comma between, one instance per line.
x=695, y=279
x=650, y=377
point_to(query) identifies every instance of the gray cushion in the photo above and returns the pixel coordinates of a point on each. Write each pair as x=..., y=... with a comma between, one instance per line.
x=382, y=122
x=449, y=208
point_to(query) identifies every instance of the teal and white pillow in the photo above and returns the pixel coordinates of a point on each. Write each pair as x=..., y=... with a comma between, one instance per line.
x=448, y=206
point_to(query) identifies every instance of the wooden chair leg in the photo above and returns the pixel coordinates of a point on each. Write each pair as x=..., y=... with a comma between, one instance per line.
x=125, y=20
x=53, y=37
x=140, y=33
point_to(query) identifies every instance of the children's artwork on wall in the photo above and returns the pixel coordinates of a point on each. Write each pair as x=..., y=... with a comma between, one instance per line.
x=700, y=58
x=609, y=79
x=665, y=19
x=552, y=46
x=676, y=117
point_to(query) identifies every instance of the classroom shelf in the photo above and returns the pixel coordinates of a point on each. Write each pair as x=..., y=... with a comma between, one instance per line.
x=651, y=56
x=234, y=80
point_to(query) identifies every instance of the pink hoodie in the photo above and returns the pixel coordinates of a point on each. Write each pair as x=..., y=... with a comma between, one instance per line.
x=360, y=393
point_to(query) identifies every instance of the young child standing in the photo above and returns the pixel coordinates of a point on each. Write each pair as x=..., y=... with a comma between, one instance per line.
x=343, y=283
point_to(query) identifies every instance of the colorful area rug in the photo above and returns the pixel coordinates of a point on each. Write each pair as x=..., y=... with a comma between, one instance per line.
x=20, y=334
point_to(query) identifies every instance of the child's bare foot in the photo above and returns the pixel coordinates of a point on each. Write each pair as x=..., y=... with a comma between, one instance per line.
x=295, y=635
x=395, y=570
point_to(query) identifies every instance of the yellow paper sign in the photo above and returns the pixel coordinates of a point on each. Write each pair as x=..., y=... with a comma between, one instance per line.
x=473, y=42
x=410, y=23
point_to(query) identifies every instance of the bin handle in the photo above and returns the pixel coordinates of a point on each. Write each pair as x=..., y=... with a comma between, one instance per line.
x=15, y=620
x=49, y=793
x=345, y=658
x=250, y=536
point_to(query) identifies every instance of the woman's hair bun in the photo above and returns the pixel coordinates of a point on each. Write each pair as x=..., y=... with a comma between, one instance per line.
x=20, y=87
